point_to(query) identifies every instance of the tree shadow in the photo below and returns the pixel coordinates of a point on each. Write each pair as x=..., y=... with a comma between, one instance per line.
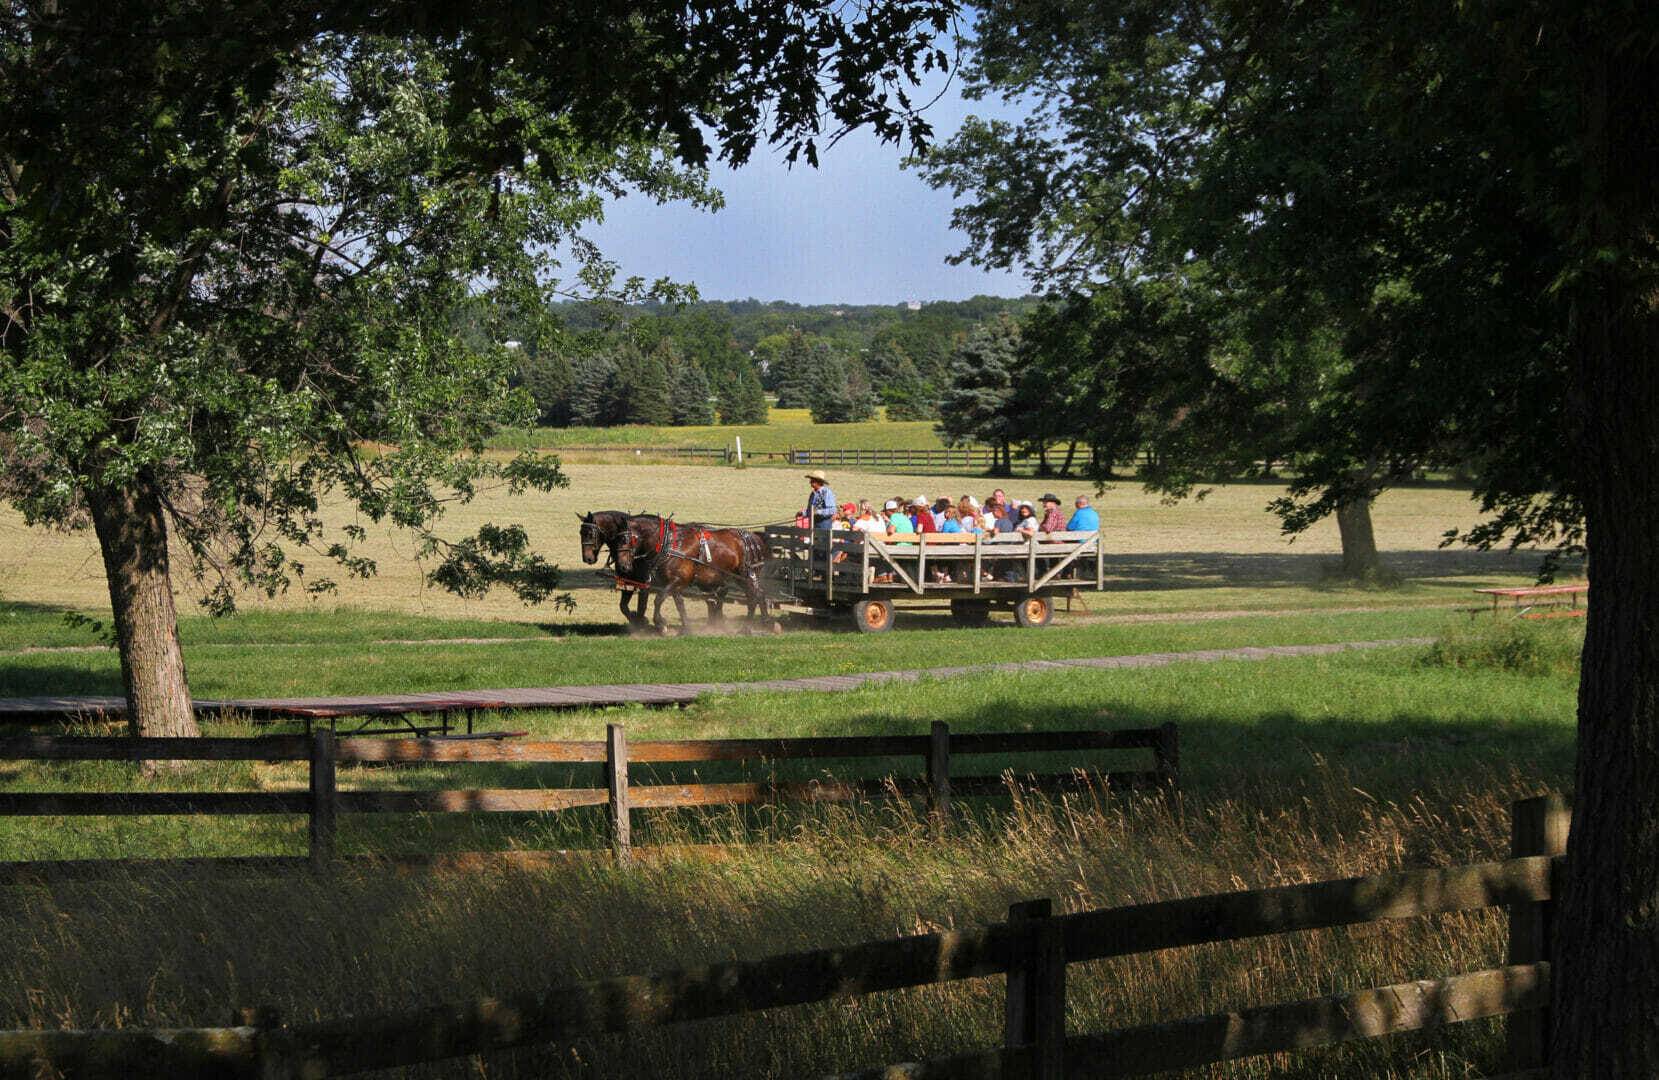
x=58, y=680
x=1209, y=569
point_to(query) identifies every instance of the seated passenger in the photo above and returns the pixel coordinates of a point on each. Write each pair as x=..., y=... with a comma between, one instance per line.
x=953, y=522
x=1053, y=520
x=1085, y=519
x=898, y=522
x=868, y=522
x=921, y=516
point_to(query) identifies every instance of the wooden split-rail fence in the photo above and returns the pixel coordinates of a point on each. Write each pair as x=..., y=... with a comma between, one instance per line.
x=1033, y=948
x=324, y=800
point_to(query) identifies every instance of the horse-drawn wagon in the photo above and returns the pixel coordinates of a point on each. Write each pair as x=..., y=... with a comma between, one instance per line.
x=867, y=577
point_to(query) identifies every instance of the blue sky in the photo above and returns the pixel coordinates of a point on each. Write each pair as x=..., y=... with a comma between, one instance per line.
x=855, y=230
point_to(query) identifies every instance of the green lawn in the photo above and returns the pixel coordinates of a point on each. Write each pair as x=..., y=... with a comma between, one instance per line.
x=787, y=429
x=311, y=656
x=1293, y=769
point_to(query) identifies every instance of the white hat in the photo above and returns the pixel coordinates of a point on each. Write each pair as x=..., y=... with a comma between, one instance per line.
x=889, y=505
x=973, y=502
x=920, y=500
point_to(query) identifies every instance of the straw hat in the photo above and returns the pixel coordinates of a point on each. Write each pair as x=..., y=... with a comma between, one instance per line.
x=817, y=474
x=920, y=500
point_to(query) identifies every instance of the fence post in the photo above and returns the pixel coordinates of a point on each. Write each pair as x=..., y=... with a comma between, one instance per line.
x=324, y=798
x=938, y=775
x=273, y=1044
x=1035, y=1014
x=1538, y=826
x=1167, y=756
x=616, y=785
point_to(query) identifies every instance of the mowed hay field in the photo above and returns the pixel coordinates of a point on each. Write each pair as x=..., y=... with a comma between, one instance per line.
x=1224, y=551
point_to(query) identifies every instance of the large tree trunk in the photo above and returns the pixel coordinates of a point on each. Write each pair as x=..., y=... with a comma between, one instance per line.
x=1359, y=542
x=1071, y=452
x=132, y=531
x=1606, y=971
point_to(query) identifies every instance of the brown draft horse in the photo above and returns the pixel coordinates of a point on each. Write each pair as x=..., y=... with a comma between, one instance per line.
x=694, y=555
x=604, y=529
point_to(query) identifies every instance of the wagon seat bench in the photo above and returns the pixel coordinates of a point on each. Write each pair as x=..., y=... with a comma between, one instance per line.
x=1527, y=598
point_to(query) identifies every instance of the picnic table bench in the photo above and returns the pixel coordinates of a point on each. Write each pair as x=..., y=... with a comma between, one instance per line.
x=1526, y=598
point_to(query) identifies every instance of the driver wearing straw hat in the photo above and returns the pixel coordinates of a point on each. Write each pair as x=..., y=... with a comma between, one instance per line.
x=820, y=506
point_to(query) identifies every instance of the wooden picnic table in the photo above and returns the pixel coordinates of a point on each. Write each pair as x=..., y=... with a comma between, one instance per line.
x=443, y=710
x=1526, y=598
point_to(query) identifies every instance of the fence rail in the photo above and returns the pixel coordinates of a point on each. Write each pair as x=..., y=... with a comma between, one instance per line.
x=1033, y=948
x=324, y=800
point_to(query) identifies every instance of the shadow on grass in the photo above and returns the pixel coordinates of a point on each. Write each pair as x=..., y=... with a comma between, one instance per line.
x=1209, y=570
x=60, y=680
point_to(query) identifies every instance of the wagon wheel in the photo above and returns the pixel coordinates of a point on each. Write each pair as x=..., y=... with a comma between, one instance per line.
x=873, y=616
x=1034, y=611
x=971, y=612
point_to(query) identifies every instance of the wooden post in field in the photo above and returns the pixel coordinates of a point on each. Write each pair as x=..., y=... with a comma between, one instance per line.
x=1538, y=826
x=938, y=775
x=324, y=799
x=273, y=1044
x=616, y=786
x=1167, y=756
x=1035, y=1015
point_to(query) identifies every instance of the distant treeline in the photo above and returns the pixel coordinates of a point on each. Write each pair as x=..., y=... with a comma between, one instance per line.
x=599, y=365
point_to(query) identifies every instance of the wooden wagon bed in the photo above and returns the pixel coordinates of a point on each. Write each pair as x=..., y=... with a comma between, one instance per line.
x=843, y=570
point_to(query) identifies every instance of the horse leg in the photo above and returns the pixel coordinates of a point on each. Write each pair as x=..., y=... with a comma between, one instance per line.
x=626, y=614
x=656, y=612
x=679, y=604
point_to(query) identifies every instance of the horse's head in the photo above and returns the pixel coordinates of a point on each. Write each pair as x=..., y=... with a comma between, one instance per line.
x=592, y=539
x=638, y=541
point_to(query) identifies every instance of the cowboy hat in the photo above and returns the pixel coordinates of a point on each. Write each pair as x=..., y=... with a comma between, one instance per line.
x=1051, y=497
x=920, y=500
x=817, y=474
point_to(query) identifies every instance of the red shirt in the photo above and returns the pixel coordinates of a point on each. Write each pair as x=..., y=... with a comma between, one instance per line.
x=924, y=522
x=1053, y=521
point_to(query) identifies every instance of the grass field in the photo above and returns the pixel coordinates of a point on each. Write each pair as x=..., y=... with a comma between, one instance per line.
x=1224, y=551
x=786, y=429
x=1292, y=770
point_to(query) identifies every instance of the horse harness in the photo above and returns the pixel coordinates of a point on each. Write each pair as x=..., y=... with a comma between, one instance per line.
x=668, y=533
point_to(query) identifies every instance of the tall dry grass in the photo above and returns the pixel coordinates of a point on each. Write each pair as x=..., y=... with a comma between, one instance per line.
x=161, y=950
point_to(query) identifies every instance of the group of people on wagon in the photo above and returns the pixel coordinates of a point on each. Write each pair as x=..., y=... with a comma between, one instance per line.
x=898, y=516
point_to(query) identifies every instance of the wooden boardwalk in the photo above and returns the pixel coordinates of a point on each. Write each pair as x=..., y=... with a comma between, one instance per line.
x=40, y=710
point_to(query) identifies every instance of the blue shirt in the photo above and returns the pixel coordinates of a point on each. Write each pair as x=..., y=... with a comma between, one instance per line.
x=821, y=507
x=951, y=525
x=1085, y=520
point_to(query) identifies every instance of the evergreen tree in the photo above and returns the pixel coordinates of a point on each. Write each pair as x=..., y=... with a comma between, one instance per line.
x=975, y=407
x=899, y=385
x=549, y=379
x=644, y=384
x=742, y=399
x=689, y=394
x=861, y=395
x=795, y=373
x=596, y=392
